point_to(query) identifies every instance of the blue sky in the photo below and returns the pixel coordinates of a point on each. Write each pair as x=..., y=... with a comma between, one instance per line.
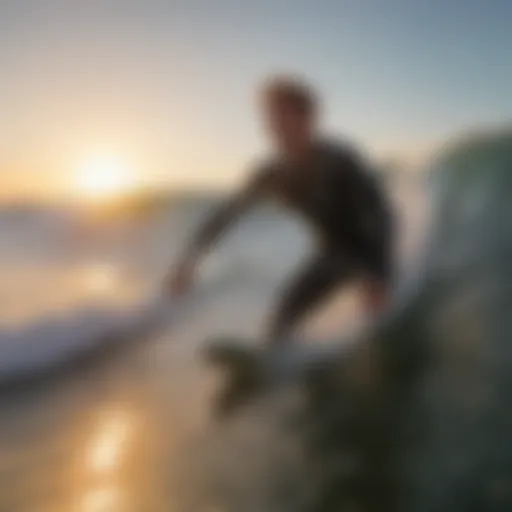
x=170, y=83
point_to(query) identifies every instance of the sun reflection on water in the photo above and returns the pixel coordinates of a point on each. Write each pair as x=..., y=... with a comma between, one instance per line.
x=101, y=500
x=100, y=278
x=106, y=460
x=110, y=442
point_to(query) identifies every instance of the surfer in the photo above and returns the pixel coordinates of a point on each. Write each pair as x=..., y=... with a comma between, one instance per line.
x=326, y=183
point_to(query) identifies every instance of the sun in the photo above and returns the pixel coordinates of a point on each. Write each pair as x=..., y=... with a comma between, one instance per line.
x=103, y=177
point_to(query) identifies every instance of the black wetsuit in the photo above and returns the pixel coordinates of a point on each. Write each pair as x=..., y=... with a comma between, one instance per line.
x=343, y=203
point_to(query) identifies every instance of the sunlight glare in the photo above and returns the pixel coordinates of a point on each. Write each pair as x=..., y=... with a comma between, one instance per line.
x=110, y=441
x=102, y=177
x=100, y=278
x=101, y=500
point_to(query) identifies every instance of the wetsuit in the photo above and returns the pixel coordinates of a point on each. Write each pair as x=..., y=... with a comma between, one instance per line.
x=343, y=203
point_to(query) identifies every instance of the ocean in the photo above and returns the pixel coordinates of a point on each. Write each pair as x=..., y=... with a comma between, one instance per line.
x=113, y=432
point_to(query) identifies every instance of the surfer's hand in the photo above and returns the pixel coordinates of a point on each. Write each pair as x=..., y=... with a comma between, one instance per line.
x=376, y=295
x=180, y=281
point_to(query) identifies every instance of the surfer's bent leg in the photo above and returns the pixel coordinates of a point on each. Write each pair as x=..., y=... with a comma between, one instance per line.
x=307, y=289
x=380, y=272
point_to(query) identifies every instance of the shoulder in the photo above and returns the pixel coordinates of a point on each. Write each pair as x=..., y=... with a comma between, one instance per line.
x=342, y=151
x=265, y=170
x=344, y=159
x=352, y=160
x=262, y=175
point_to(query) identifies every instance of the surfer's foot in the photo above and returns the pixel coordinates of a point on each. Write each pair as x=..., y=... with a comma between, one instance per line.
x=234, y=396
x=242, y=364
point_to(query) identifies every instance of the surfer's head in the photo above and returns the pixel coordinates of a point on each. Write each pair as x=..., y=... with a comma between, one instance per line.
x=290, y=109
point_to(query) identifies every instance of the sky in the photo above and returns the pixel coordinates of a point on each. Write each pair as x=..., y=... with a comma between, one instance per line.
x=168, y=87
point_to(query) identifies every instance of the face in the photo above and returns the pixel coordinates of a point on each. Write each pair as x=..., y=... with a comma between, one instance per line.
x=288, y=127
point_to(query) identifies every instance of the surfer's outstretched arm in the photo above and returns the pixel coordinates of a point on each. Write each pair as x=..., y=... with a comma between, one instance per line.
x=210, y=231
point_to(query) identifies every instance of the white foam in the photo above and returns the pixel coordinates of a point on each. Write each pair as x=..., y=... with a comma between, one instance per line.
x=50, y=342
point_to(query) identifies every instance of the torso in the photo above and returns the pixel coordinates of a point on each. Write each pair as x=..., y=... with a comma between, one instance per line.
x=332, y=192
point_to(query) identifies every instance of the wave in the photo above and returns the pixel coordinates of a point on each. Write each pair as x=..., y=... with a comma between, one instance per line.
x=28, y=351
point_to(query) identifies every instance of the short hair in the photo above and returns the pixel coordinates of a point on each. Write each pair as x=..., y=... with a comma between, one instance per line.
x=291, y=91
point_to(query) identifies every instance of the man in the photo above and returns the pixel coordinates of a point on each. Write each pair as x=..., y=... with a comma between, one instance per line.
x=329, y=186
